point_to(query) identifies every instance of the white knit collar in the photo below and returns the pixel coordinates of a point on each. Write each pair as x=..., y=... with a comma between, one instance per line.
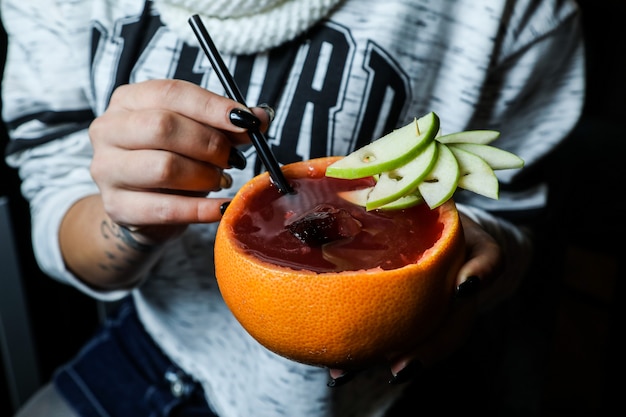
x=244, y=26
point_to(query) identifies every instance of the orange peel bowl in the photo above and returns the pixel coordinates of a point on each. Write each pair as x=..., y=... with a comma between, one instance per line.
x=345, y=320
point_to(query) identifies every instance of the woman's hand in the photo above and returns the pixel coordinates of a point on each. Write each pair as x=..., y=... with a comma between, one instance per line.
x=476, y=284
x=160, y=148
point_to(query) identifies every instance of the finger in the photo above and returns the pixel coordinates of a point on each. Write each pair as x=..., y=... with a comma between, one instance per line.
x=158, y=129
x=179, y=96
x=484, y=256
x=336, y=373
x=483, y=261
x=148, y=209
x=266, y=115
x=156, y=170
x=339, y=377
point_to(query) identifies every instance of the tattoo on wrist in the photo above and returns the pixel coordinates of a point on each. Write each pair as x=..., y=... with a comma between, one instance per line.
x=126, y=236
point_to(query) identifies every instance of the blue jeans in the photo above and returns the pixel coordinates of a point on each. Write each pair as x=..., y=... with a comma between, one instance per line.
x=122, y=372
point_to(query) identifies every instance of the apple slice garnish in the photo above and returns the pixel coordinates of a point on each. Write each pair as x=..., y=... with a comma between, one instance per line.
x=441, y=182
x=475, y=174
x=481, y=137
x=496, y=158
x=359, y=197
x=415, y=164
x=392, y=185
x=389, y=152
x=406, y=201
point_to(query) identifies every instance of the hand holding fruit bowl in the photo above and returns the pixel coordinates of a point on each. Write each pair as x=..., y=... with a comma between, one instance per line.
x=357, y=267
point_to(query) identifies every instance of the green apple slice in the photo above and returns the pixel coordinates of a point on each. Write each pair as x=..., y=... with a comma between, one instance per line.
x=416, y=163
x=389, y=152
x=496, y=158
x=406, y=201
x=481, y=137
x=359, y=197
x=441, y=182
x=393, y=184
x=476, y=174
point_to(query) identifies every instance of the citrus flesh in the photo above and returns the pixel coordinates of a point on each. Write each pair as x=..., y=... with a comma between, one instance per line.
x=346, y=313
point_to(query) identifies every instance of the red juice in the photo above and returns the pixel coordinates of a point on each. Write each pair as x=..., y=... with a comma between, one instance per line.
x=388, y=239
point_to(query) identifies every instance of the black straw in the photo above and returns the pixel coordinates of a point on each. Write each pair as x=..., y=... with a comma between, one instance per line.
x=257, y=137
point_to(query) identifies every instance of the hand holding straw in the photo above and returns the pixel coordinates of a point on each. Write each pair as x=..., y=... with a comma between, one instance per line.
x=258, y=139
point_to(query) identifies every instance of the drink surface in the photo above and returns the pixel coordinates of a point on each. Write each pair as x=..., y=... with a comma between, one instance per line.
x=387, y=239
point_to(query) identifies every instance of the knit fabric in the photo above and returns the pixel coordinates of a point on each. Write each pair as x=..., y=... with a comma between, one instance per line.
x=245, y=26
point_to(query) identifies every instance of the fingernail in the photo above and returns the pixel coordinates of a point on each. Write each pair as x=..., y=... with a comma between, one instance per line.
x=236, y=159
x=271, y=113
x=407, y=373
x=223, y=207
x=245, y=119
x=226, y=181
x=467, y=287
x=341, y=380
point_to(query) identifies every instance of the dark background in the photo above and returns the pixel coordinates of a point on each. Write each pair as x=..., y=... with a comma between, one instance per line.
x=580, y=309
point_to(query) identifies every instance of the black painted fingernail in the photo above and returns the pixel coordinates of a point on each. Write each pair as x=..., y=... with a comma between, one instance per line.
x=341, y=379
x=236, y=159
x=223, y=207
x=467, y=287
x=407, y=373
x=245, y=119
x=271, y=113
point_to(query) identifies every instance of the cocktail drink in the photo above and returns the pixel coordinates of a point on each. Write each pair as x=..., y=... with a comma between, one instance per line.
x=316, y=229
x=317, y=277
x=362, y=286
